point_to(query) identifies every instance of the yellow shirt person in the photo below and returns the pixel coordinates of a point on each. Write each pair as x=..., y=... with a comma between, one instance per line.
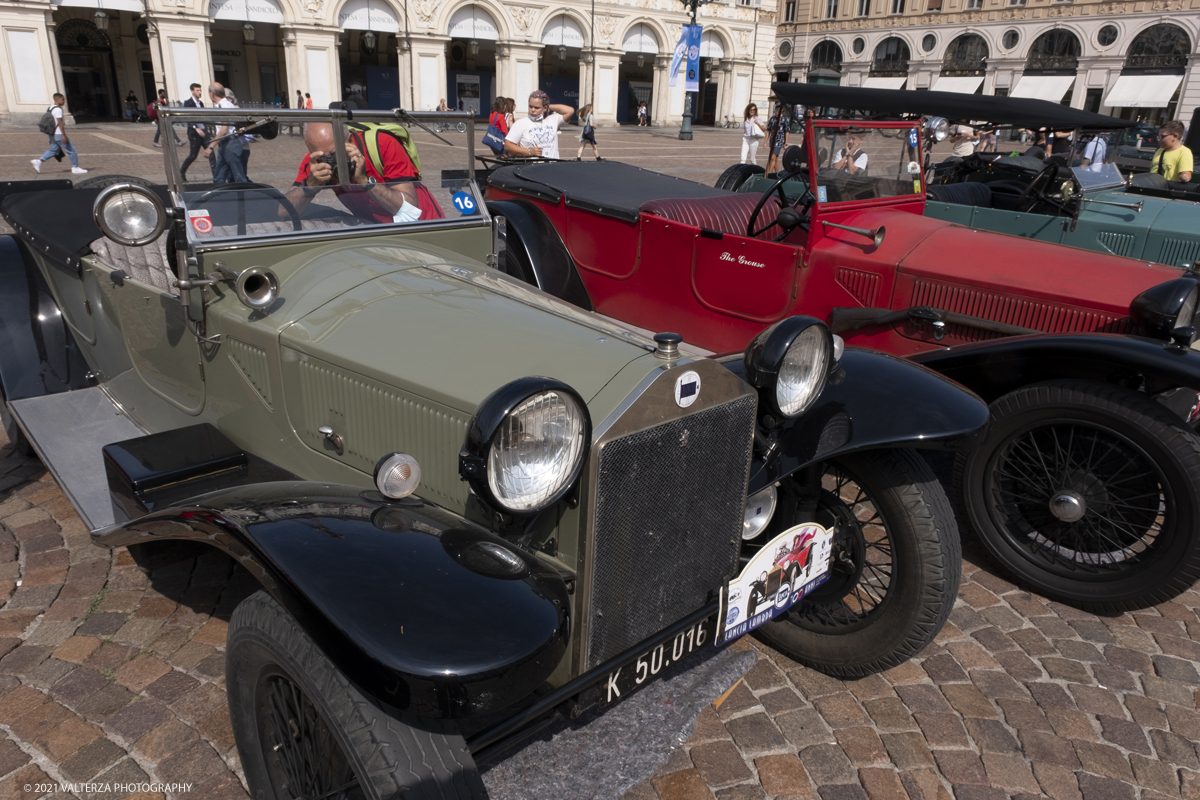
x=1173, y=161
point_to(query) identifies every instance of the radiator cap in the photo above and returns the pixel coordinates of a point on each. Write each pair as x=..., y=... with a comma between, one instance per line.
x=668, y=345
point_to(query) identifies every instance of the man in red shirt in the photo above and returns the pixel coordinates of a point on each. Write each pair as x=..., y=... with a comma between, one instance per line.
x=372, y=194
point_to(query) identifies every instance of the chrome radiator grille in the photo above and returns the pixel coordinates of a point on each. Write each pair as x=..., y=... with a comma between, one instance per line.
x=669, y=507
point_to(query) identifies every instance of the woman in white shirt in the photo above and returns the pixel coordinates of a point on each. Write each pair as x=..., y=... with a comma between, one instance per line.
x=751, y=122
x=537, y=134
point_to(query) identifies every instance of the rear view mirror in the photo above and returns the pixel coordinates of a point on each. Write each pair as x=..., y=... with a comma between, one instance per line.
x=793, y=159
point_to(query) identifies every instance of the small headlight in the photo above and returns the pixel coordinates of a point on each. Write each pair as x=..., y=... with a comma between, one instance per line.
x=937, y=128
x=760, y=507
x=1162, y=308
x=526, y=445
x=129, y=214
x=790, y=361
x=397, y=475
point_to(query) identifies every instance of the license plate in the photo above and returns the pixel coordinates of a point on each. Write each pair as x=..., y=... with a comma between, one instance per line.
x=786, y=569
x=637, y=672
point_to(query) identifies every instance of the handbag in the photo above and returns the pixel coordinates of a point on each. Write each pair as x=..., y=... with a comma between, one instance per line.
x=588, y=130
x=494, y=139
x=756, y=131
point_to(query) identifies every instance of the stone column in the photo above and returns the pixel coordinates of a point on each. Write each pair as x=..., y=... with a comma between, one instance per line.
x=404, y=72
x=607, y=65
x=429, y=66
x=587, y=62
x=725, y=94
x=660, y=95
x=30, y=72
x=313, y=66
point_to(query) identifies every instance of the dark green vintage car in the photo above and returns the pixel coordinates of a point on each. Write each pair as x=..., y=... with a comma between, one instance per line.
x=470, y=505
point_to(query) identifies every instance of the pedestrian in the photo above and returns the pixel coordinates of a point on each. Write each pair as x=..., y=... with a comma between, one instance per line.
x=963, y=139
x=643, y=115
x=228, y=152
x=510, y=106
x=987, y=140
x=153, y=109
x=299, y=99
x=307, y=100
x=752, y=131
x=442, y=105
x=197, y=135
x=131, y=106
x=536, y=135
x=777, y=134
x=247, y=139
x=589, y=133
x=59, y=141
x=1173, y=160
x=1095, y=153
x=497, y=117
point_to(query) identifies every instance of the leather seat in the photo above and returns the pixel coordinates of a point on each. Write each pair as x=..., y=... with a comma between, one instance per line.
x=1149, y=180
x=964, y=194
x=726, y=213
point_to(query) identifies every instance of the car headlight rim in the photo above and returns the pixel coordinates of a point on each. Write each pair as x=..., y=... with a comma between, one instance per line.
x=129, y=214
x=790, y=363
x=1166, y=306
x=526, y=445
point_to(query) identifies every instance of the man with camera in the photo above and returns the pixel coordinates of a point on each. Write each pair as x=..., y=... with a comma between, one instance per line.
x=381, y=186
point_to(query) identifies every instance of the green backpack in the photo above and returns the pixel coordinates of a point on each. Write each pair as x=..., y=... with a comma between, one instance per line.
x=370, y=133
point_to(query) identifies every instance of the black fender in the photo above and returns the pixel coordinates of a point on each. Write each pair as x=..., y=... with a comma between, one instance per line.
x=534, y=241
x=873, y=401
x=422, y=609
x=38, y=353
x=996, y=367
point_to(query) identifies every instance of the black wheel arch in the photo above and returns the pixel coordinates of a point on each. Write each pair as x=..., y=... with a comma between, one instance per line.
x=536, y=253
x=358, y=572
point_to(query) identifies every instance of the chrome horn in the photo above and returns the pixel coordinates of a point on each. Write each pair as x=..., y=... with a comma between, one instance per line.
x=256, y=287
x=875, y=235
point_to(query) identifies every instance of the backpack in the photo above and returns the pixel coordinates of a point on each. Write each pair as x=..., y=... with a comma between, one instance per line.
x=370, y=133
x=152, y=110
x=47, y=124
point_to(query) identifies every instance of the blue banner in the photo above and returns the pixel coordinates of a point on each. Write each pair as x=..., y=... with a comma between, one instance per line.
x=693, y=59
x=681, y=49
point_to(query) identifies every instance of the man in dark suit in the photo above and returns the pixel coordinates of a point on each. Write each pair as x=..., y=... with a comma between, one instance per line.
x=197, y=137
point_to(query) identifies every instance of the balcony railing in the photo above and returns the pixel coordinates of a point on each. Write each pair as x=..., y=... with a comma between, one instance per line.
x=825, y=66
x=966, y=67
x=889, y=68
x=1044, y=61
x=1172, y=61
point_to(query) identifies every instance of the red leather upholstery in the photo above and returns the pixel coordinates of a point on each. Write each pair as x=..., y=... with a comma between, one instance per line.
x=728, y=213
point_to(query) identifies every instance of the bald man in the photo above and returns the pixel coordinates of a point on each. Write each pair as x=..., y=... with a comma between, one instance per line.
x=384, y=192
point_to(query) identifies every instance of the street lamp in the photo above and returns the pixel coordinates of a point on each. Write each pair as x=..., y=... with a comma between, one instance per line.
x=248, y=32
x=685, y=127
x=101, y=20
x=641, y=60
x=368, y=42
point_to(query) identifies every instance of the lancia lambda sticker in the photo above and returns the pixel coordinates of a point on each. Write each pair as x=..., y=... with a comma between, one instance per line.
x=687, y=389
x=201, y=221
x=786, y=569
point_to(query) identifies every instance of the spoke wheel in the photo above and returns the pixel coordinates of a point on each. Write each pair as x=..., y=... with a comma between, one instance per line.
x=895, y=567
x=1085, y=492
x=305, y=732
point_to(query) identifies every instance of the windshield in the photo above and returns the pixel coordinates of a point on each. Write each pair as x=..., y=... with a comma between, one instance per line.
x=867, y=163
x=256, y=175
x=1097, y=176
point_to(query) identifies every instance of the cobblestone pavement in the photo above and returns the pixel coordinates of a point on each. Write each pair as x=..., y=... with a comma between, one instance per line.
x=112, y=677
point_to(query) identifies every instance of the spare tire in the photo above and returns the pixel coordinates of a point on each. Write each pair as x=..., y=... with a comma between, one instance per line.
x=104, y=181
x=733, y=178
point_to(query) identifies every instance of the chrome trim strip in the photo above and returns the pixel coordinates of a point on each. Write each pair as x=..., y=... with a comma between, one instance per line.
x=357, y=232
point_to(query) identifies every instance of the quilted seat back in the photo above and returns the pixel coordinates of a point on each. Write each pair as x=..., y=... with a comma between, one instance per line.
x=728, y=213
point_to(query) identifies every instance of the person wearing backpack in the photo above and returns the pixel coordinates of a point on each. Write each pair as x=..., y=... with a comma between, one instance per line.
x=53, y=125
x=384, y=172
x=152, y=111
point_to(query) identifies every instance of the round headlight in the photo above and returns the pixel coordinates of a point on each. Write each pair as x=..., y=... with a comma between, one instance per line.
x=536, y=452
x=129, y=214
x=937, y=128
x=1162, y=308
x=526, y=444
x=760, y=507
x=790, y=362
x=397, y=475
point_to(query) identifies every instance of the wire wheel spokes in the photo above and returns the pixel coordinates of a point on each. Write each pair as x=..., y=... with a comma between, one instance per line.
x=300, y=749
x=1079, y=499
x=863, y=562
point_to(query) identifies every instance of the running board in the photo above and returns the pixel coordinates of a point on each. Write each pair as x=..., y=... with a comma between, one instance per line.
x=69, y=431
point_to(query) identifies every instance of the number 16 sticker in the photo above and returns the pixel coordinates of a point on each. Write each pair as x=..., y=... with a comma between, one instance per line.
x=464, y=203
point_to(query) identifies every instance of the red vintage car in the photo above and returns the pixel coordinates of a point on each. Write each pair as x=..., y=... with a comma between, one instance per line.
x=1085, y=487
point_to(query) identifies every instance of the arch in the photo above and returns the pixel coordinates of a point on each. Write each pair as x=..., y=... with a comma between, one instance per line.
x=485, y=11
x=562, y=29
x=713, y=44
x=353, y=15
x=81, y=34
x=826, y=55
x=473, y=22
x=549, y=15
x=641, y=37
x=243, y=10
x=1161, y=46
x=1056, y=49
x=892, y=54
x=661, y=34
x=966, y=55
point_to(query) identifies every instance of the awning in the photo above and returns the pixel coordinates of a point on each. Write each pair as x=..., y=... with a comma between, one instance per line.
x=884, y=83
x=958, y=85
x=1051, y=88
x=114, y=5
x=1143, y=91
x=245, y=10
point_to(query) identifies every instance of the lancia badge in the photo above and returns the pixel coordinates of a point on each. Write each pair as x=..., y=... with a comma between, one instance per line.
x=687, y=389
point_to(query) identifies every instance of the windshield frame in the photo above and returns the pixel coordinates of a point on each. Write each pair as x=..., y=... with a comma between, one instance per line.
x=847, y=125
x=1111, y=181
x=241, y=117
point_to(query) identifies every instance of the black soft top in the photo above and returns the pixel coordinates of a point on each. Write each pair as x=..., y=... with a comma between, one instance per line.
x=58, y=224
x=1019, y=111
x=609, y=188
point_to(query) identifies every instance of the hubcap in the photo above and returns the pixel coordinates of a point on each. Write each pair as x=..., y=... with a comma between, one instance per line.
x=1068, y=506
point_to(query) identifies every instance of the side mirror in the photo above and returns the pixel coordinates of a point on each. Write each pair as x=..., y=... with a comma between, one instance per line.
x=793, y=159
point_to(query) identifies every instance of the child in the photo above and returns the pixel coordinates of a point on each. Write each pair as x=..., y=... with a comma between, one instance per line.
x=589, y=133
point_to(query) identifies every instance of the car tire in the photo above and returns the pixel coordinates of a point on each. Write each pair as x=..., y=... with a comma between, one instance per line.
x=733, y=177
x=1122, y=461
x=104, y=181
x=824, y=630
x=275, y=671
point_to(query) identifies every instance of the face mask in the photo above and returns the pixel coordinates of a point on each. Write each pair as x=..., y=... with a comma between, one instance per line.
x=539, y=117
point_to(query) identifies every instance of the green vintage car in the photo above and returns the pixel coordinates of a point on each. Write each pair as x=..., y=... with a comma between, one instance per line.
x=470, y=505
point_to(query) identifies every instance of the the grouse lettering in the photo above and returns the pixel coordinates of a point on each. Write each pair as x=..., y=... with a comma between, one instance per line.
x=726, y=256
